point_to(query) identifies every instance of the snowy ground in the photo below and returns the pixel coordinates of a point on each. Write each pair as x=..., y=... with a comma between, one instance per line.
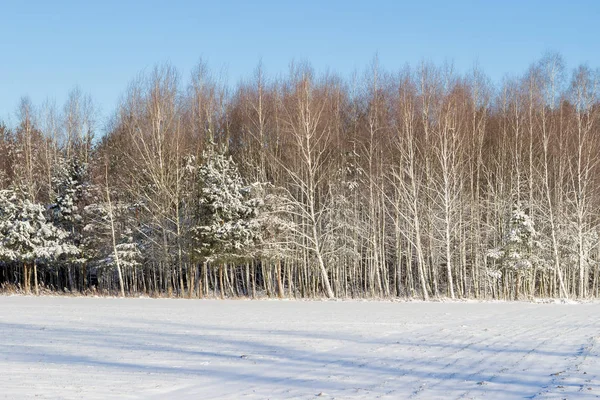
x=74, y=348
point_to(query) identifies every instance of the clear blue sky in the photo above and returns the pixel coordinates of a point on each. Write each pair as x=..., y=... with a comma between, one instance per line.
x=48, y=47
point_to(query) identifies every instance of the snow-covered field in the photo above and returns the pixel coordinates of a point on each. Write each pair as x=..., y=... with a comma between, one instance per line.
x=101, y=348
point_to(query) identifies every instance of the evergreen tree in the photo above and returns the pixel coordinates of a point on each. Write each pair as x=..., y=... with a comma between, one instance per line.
x=26, y=236
x=71, y=186
x=69, y=182
x=227, y=213
x=104, y=219
x=519, y=252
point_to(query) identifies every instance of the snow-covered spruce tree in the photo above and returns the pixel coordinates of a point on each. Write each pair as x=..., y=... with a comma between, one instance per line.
x=111, y=240
x=6, y=155
x=70, y=184
x=227, y=226
x=107, y=248
x=128, y=250
x=276, y=244
x=26, y=236
x=519, y=250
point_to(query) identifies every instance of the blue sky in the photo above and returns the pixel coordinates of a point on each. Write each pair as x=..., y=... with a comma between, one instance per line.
x=48, y=47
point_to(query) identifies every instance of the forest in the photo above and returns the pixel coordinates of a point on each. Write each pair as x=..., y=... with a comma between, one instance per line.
x=418, y=183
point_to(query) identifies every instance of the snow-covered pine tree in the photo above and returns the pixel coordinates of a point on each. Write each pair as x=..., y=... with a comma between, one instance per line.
x=26, y=236
x=128, y=250
x=8, y=212
x=227, y=225
x=70, y=184
x=6, y=155
x=110, y=242
x=519, y=250
x=277, y=229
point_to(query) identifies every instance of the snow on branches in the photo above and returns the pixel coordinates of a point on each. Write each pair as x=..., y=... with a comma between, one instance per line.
x=518, y=250
x=25, y=234
x=228, y=227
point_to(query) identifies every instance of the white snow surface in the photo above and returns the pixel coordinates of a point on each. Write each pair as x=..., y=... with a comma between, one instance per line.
x=100, y=348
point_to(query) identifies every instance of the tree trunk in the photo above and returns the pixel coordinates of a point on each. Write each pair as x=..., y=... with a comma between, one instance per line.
x=35, y=279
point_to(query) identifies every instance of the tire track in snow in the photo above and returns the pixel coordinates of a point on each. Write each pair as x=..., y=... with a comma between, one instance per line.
x=573, y=376
x=350, y=368
x=522, y=334
x=347, y=363
x=446, y=338
x=449, y=337
x=535, y=350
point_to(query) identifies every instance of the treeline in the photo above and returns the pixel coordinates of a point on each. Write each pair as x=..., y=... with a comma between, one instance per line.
x=420, y=183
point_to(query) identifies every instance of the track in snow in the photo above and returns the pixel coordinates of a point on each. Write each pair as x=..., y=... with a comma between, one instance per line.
x=98, y=348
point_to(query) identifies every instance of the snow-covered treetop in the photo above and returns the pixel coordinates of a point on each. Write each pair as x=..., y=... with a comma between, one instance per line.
x=69, y=184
